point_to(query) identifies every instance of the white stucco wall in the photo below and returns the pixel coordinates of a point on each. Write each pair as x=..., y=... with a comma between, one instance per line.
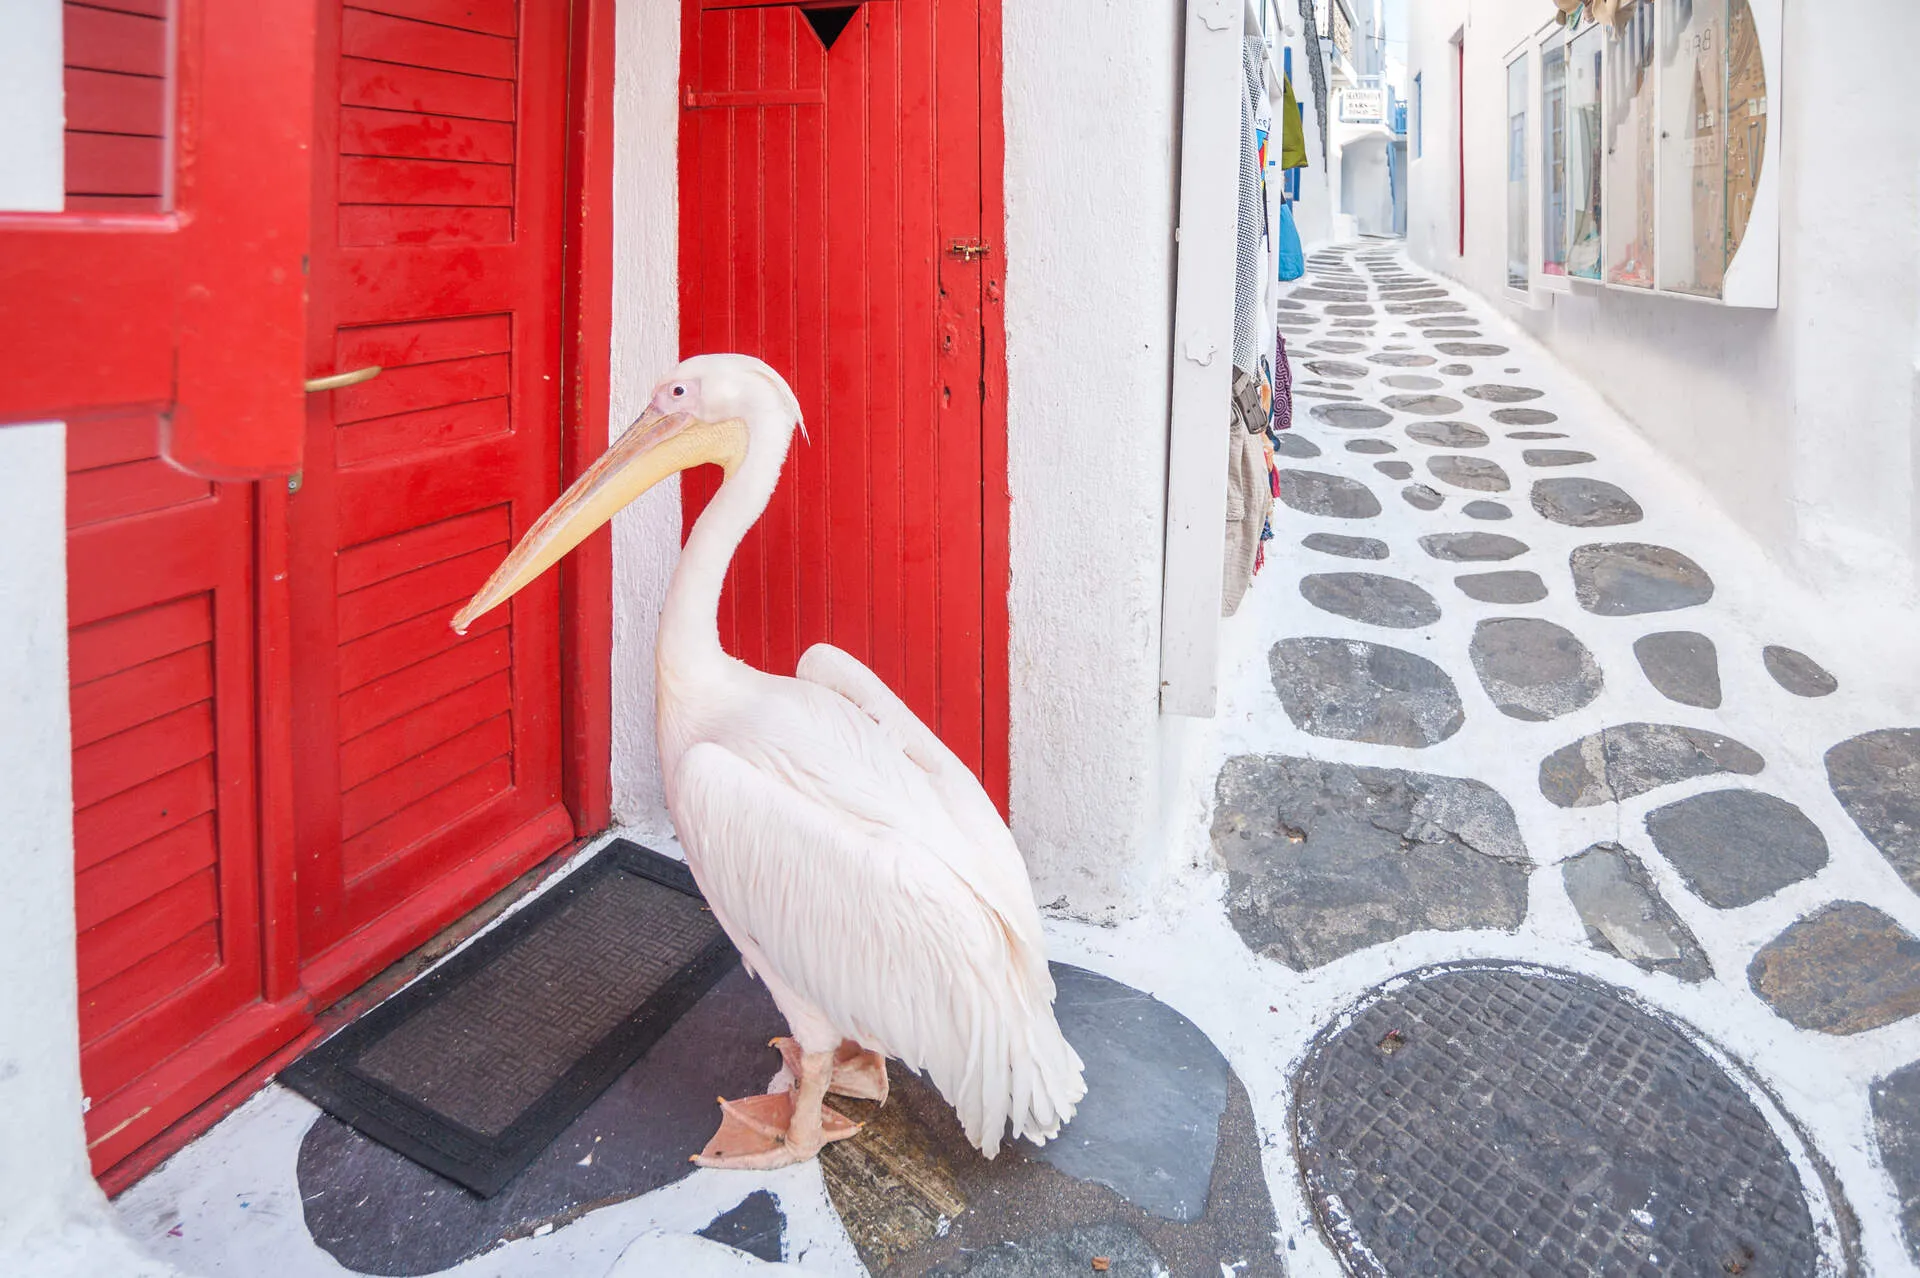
x=1090, y=211
x=1803, y=421
x=32, y=96
x=54, y=1221
x=1366, y=188
x=646, y=343
x=53, y=1218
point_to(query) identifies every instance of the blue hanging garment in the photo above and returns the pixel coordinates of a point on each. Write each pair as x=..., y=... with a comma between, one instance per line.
x=1293, y=260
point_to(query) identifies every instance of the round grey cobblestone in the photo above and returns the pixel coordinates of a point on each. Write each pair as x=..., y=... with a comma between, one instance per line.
x=1424, y=405
x=1479, y=474
x=1524, y=417
x=1735, y=847
x=1371, y=597
x=1314, y=492
x=1513, y=586
x=1533, y=670
x=1352, y=690
x=1351, y=416
x=1448, y=434
x=1797, y=672
x=1346, y=547
x=1682, y=666
x=1580, y=502
x=1844, y=969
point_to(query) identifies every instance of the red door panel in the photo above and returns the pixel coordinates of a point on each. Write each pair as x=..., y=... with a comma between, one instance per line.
x=161, y=620
x=822, y=189
x=436, y=257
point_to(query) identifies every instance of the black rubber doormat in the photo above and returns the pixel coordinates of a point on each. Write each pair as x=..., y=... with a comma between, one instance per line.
x=474, y=1069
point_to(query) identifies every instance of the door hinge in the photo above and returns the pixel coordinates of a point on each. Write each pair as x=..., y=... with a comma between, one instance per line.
x=968, y=250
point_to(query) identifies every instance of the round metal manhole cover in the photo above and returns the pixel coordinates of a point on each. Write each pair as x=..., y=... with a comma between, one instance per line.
x=1508, y=1120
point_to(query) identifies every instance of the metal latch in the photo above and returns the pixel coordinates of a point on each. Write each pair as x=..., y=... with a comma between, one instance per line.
x=967, y=250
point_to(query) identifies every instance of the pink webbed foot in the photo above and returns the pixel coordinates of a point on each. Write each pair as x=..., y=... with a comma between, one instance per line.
x=758, y=1133
x=858, y=1074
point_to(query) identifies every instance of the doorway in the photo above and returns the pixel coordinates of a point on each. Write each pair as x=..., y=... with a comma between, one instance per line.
x=288, y=771
x=841, y=219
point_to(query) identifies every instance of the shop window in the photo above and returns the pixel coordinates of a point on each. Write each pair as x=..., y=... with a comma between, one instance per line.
x=1692, y=231
x=1517, y=201
x=1584, y=62
x=1630, y=138
x=1553, y=156
x=1746, y=120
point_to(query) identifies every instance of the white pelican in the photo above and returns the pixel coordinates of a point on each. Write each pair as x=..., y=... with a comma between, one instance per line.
x=854, y=860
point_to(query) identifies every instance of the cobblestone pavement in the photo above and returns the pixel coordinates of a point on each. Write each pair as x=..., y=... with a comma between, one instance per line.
x=1511, y=687
x=1546, y=884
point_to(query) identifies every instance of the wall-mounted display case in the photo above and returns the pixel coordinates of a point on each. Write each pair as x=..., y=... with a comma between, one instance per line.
x=1658, y=170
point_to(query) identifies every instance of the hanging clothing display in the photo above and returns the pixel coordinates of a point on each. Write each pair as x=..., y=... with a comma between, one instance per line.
x=1282, y=385
x=1249, y=271
x=1249, y=491
x=1250, y=467
x=1293, y=134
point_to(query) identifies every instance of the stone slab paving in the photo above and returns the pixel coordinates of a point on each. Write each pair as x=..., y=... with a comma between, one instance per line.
x=1707, y=807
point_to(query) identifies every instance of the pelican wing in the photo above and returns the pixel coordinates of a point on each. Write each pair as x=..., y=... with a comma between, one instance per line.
x=999, y=871
x=860, y=910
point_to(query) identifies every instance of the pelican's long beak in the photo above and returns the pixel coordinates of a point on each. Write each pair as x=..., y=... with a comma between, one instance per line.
x=656, y=446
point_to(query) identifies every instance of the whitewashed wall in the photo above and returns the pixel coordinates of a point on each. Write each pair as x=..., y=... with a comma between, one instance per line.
x=1090, y=214
x=1803, y=423
x=646, y=343
x=54, y=1221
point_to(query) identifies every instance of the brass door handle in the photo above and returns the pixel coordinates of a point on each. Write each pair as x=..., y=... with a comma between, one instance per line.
x=334, y=381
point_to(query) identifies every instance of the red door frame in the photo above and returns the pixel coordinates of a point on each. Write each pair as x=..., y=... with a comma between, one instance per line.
x=255, y=1044
x=997, y=506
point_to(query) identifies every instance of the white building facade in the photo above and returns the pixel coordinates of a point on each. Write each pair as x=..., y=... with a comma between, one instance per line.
x=1707, y=208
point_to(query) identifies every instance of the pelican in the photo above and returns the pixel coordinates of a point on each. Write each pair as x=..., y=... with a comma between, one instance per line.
x=855, y=862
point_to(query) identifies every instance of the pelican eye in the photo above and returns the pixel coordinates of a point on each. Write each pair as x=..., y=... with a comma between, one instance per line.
x=678, y=391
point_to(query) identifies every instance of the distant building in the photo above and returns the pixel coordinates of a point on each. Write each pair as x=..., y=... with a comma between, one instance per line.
x=1706, y=207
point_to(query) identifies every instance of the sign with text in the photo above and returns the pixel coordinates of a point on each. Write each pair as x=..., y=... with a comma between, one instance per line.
x=1363, y=106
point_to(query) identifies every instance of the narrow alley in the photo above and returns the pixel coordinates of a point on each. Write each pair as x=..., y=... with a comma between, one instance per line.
x=1532, y=778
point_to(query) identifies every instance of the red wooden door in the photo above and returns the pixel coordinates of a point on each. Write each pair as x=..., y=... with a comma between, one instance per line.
x=161, y=664
x=837, y=186
x=426, y=764
x=263, y=681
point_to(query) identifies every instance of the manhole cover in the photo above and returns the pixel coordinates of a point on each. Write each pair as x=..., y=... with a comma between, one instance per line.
x=1497, y=1119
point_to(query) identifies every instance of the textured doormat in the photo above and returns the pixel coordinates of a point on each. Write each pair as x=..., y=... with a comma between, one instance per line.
x=475, y=1068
